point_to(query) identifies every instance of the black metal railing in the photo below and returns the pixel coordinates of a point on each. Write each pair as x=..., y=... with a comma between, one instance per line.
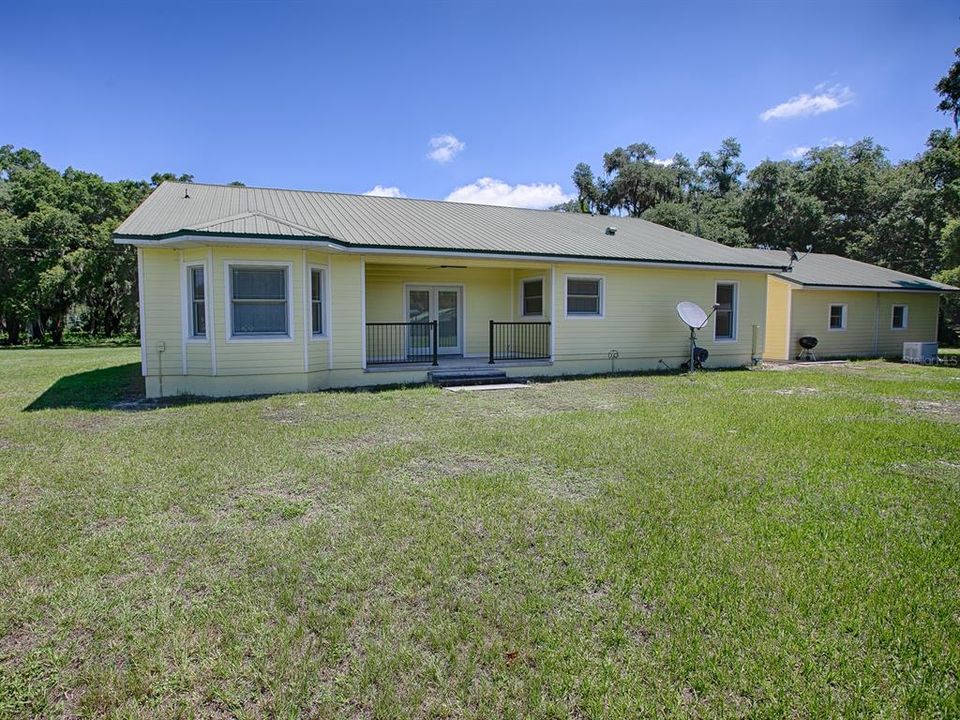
x=519, y=341
x=392, y=343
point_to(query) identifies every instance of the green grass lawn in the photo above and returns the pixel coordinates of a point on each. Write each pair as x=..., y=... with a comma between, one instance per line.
x=763, y=544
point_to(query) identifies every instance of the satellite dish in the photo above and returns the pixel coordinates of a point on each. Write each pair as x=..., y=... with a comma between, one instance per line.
x=692, y=314
x=694, y=318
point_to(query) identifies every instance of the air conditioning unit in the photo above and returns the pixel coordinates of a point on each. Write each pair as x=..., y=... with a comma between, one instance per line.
x=924, y=353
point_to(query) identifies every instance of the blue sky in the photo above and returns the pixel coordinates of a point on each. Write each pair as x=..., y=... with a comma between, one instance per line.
x=347, y=96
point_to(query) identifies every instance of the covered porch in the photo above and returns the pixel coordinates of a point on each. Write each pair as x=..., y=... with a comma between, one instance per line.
x=455, y=314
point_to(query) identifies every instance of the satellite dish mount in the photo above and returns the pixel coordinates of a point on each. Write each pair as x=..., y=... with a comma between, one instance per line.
x=695, y=318
x=793, y=257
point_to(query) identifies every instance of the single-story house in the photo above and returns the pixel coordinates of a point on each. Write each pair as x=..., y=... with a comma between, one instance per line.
x=854, y=309
x=251, y=290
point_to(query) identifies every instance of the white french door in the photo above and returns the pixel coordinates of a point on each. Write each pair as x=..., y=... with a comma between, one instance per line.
x=443, y=303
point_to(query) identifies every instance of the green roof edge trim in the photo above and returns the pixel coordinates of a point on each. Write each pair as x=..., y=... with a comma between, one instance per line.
x=438, y=251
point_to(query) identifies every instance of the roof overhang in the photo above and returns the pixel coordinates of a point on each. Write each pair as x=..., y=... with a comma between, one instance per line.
x=194, y=238
x=871, y=288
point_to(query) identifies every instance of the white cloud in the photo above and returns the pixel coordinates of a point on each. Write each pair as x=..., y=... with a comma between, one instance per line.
x=824, y=99
x=488, y=191
x=665, y=163
x=385, y=191
x=445, y=148
x=797, y=152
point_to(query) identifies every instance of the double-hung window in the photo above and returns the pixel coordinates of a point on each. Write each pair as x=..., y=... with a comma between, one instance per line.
x=898, y=321
x=198, y=301
x=259, y=302
x=531, y=297
x=725, y=318
x=837, y=319
x=316, y=301
x=584, y=297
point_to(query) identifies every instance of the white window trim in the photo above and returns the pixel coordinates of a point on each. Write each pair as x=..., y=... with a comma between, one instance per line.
x=186, y=302
x=543, y=296
x=308, y=295
x=735, y=310
x=228, y=302
x=843, y=325
x=603, y=297
x=906, y=316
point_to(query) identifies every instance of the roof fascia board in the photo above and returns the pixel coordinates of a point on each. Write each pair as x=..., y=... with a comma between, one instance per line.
x=870, y=288
x=180, y=240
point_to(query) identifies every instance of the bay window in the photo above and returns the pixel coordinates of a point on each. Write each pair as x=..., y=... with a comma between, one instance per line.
x=259, y=301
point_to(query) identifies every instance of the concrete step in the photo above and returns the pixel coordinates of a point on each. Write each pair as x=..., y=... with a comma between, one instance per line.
x=467, y=376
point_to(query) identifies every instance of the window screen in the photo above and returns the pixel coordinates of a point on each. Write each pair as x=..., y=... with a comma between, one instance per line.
x=583, y=296
x=198, y=303
x=533, y=297
x=316, y=301
x=725, y=323
x=259, y=301
x=837, y=319
x=899, y=317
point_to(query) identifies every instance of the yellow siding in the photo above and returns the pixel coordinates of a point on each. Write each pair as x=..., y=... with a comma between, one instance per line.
x=640, y=320
x=868, y=331
x=166, y=316
x=318, y=348
x=922, y=314
x=776, y=346
x=345, y=310
x=161, y=300
x=250, y=357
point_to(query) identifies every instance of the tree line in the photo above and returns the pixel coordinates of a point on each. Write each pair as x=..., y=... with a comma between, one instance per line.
x=59, y=268
x=851, y=200
x=60, y=271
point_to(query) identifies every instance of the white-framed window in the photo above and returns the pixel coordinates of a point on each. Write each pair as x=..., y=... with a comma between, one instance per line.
x=584, y=296
x=837, y=317
x=898, y=317
x=318, y=305
x=197, y=301
x=258, y=301
x=725, y=318
x=531, y=297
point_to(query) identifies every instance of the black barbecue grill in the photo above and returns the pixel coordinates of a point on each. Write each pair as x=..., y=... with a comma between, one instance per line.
x=807, y=344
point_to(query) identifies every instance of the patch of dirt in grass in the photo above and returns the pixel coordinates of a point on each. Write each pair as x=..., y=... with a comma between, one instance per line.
x=935, y=469
x=345, y=448
x=541, y=476
x=797, y=391
x=546, y=398
x=286, y=415
x=275, y=505
x=90, y=422
x=108, y=524
x=939, y=410
x=16, y=643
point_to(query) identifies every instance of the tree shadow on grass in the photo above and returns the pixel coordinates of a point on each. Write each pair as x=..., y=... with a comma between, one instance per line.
x=93, y=390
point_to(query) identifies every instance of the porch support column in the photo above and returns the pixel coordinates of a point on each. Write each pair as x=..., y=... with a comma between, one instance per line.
x=363, y=312
x=553, y=311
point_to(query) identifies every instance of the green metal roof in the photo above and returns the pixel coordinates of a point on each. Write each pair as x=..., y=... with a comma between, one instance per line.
x=361, y=221
x=834, y=271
